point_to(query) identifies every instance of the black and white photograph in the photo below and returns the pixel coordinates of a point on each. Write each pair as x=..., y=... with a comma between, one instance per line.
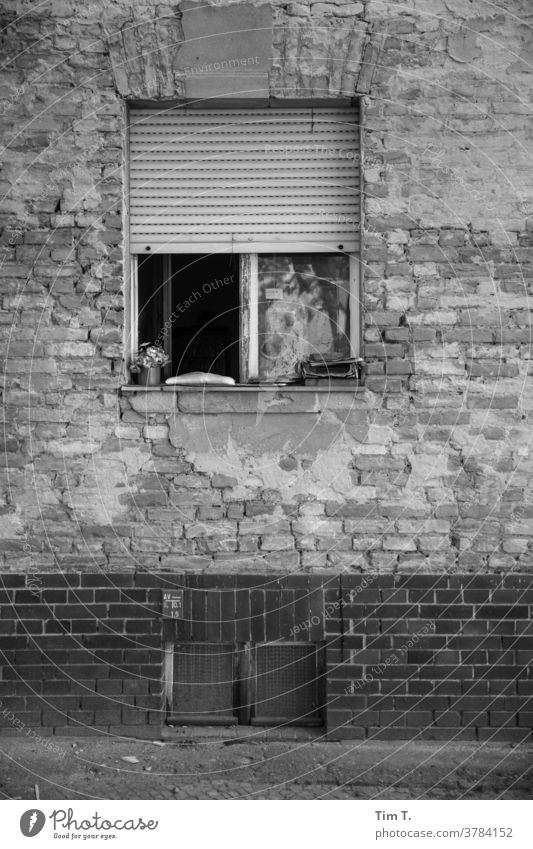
x=266, y=504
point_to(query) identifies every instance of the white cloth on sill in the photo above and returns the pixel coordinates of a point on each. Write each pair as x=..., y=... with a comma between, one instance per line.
x=200, y=378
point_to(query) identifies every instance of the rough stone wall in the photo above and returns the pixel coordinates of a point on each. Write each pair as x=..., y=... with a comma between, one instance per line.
x=449, y=251
x=429, y=468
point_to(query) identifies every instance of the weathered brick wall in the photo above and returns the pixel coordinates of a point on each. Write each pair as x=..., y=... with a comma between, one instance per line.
x=425, y=470
x=449, y=253
x=431, y=468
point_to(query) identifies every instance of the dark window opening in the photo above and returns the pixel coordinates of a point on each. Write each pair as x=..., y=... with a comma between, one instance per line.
x=151, y=297
x=189, y=304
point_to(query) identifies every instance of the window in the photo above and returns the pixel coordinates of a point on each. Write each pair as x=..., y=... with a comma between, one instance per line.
x=245, y=236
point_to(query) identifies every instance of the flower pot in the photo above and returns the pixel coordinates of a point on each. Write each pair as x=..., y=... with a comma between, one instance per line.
x=149, y=376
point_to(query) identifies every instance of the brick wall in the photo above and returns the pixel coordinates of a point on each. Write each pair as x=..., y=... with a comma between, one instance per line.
x=442, y=432
x=426, y=472
x=428, y=657
x=407, y=656
x=81, y=654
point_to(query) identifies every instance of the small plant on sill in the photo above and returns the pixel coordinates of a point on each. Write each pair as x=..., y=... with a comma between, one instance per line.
x=147, y=362
x=149, y=356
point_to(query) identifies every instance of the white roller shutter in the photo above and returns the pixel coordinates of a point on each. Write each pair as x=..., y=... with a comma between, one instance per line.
x=244, y=180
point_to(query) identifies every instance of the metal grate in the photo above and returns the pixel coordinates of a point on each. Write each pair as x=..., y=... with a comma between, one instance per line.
x=288, y=685
x=265, y=684
x=204, y=678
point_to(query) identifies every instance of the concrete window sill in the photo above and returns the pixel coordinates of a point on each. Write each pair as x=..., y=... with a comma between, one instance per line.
x=245, y=399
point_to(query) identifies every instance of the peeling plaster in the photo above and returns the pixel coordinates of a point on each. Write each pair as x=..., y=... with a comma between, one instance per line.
x=233, y=444
x=463, y=46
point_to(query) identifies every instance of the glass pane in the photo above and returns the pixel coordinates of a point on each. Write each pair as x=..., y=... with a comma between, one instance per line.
x=303, y=310
x=205, y=314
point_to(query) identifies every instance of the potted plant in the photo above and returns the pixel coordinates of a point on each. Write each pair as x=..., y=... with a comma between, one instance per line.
x=147, y=364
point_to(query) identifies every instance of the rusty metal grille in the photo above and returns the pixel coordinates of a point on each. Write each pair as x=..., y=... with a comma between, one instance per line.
x=204, y=682
x=288, y=685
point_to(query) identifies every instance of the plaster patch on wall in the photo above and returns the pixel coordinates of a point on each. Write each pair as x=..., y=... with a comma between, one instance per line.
x=107, y=490
x=232, y=444
x=463, y=46
x=227, y=50
x=428, y=470
x=469, y=8
x=11, y=527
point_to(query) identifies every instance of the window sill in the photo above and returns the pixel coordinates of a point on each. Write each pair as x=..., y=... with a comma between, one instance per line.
x=245, y=387
x=263, y=399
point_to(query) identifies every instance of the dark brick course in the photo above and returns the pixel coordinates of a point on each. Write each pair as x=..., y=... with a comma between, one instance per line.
x=407, y=657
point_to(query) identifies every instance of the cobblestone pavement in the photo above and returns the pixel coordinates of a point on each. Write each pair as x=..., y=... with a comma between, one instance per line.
x=215, y=769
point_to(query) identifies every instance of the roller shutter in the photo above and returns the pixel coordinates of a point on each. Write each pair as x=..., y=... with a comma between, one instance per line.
x=244, y=180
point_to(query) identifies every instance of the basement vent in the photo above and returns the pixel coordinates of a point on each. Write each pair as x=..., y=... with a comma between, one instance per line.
x=204, y=683
x=263, y=684
x=287, y=685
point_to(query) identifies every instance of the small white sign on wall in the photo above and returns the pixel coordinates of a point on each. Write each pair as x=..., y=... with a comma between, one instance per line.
x=173, y=604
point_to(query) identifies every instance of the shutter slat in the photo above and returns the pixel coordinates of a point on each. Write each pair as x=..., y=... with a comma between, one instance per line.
x=257, y=138
x=153, y=120
x=201, y=208
x=199, y=159
x=262, y=170
x=303, y=242
x=222, y=177
x=261, y=131
x=275, y=225
x=205, y=195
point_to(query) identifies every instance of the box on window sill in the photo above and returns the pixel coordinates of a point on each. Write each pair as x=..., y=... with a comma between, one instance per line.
x=332, y=381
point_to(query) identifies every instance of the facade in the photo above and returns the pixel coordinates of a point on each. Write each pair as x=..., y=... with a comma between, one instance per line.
x=370, y=543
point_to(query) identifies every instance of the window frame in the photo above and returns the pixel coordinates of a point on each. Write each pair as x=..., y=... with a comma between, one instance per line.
x=249, y=309
x=248, y=276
